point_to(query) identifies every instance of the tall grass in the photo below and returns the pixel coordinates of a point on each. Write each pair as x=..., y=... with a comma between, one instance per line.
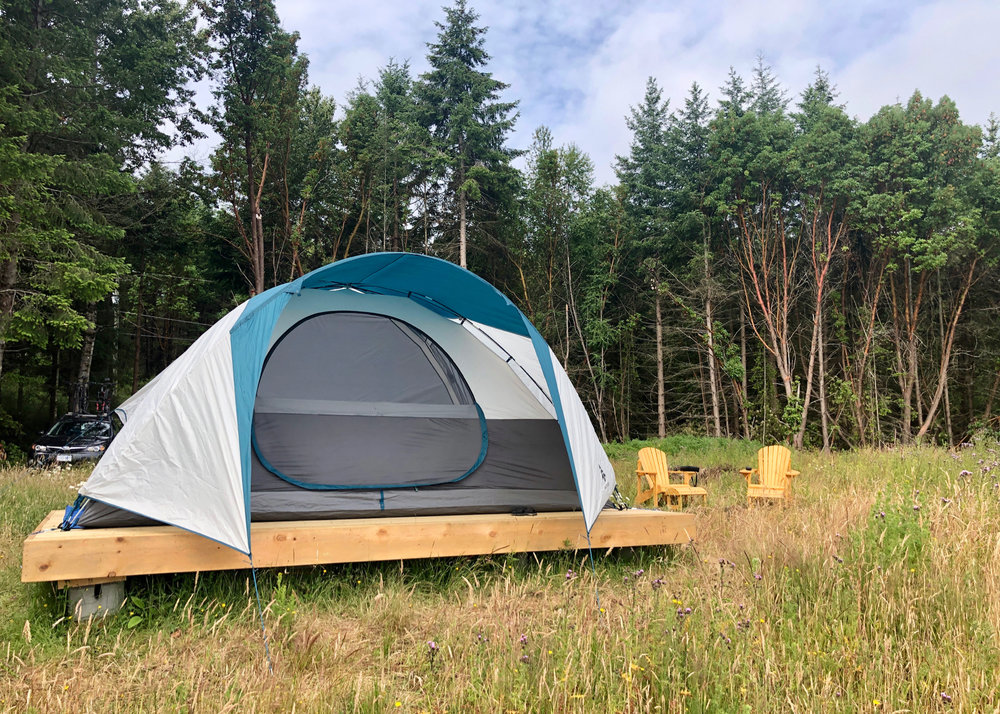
x=877, y=589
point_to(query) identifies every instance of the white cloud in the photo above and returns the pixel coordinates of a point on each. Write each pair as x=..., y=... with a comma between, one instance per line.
x=577, y=65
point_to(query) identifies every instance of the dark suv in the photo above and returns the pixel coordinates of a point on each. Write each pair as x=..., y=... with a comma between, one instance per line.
x=75, y=437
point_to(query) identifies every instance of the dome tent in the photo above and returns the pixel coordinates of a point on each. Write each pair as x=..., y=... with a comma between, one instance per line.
x=386, y=384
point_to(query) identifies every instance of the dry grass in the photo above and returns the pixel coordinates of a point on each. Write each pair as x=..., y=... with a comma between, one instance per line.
x=878, y=589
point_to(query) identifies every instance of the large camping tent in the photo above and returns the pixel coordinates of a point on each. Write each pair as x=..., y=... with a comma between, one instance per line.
x=386, y=384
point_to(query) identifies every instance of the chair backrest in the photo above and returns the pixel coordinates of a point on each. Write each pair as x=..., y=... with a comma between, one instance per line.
x=653, y=459
x=773, y=463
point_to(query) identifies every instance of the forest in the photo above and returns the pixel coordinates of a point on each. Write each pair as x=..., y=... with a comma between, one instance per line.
x=765, y=265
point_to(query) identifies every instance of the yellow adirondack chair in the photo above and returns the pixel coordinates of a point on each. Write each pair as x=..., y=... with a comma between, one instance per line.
x=774, y=474
x=654, y=471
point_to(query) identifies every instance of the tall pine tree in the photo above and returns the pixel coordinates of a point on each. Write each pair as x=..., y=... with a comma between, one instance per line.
x=459, y=105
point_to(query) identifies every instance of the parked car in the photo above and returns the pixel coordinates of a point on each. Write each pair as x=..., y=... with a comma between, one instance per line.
x=75, y=437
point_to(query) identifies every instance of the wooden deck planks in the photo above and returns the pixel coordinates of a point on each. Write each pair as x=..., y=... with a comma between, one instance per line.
x=109, y=553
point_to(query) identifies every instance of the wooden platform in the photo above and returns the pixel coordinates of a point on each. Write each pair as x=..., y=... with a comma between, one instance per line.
x=79, y=557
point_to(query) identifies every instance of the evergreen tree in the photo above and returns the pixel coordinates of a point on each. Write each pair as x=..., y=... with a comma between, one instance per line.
x=459, y=106
x=89, y=91
x=261, y=77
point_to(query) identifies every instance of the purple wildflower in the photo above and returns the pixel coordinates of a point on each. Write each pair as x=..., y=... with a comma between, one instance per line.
x=945, y=698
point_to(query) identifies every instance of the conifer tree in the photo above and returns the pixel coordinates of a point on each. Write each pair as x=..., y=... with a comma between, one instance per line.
x=459, y=106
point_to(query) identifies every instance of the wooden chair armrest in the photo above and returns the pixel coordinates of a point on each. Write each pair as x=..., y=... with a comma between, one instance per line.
x=645, y=473
x=747, y=473
x=792, y=473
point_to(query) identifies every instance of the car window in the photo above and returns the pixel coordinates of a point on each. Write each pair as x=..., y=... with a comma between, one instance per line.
x=73, y=428
x=69, y=427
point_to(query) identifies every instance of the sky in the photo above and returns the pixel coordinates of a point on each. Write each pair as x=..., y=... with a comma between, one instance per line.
x=577, y=66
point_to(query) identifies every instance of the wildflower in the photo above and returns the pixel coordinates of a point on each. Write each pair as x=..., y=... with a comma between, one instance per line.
x=757, y=576
x=399, y=703
x=638, y=573
x=964, y=472
x=945, y=698
x=570, y=575
x=657, y=584
x=524, y=658
x=876, y=702
x=945, y=501
x=916, y=507
x=838, y=558
x=524, y=640
x=432, y=650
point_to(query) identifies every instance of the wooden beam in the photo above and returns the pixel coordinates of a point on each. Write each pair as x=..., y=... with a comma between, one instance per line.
x=112, y=553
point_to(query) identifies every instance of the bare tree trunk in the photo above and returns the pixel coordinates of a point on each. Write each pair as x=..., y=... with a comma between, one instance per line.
x=946, y=348
x=136, y=356
x=799, y=437
x=86, y=359
x=743, y=361
x=54, y=354
x=461, y=215
x=947, y=399
x=8, y=279
x=661, y=407
x=824, y=416
x=712, y=380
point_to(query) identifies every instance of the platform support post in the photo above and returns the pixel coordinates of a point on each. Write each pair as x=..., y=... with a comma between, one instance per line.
x=95, y=599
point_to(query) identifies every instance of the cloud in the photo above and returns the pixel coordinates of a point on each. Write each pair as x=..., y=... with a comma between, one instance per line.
x=578, y=65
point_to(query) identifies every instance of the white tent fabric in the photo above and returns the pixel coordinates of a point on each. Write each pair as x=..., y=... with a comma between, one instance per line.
x=519, y=353
x=184, y=454
x=588, y=454
x=177, y=456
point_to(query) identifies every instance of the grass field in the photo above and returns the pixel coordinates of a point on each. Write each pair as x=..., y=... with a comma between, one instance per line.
x=877, y=590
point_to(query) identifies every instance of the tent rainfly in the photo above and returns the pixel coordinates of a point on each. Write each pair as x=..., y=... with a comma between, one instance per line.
x=386, y=384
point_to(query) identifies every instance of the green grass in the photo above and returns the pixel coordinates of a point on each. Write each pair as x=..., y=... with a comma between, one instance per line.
x=878, y=589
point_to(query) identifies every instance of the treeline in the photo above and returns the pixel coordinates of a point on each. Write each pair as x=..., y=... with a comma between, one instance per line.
x=765, y=265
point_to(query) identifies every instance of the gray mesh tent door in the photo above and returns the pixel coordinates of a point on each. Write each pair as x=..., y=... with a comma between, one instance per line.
x=351, y=400
x=389, y=383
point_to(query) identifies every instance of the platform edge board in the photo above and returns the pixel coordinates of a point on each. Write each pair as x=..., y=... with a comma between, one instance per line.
x=55, y=555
